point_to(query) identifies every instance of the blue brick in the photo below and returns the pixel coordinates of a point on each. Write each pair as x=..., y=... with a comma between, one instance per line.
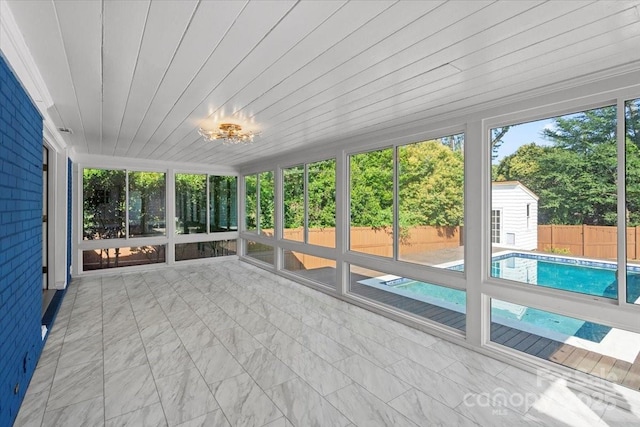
x=20, y=241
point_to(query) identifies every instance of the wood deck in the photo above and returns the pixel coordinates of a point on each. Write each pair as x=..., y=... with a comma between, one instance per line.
x=606, y=367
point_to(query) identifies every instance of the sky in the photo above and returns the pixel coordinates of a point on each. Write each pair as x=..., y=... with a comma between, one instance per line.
x=522, y=134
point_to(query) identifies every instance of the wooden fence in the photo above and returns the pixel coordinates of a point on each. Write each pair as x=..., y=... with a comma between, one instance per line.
x=414, y=240
x=587, y=240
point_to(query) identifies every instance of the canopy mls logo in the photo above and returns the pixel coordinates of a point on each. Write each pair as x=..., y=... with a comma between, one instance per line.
x=502, y=401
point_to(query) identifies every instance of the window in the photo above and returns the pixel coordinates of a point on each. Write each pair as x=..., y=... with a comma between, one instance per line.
x=311, y=267
x=99, y=259
x=259, y=203
x=261, y=252
x=223, y=203
x=147, y=201
x=191, y=203
x=321, y=203
x=495, y=226
x=210, y=249
x=266, y=203
x=108, y=212
x=431, y=201
x=567, y=341
x=371, y=194
x=632, y=183
x=437, y=303
x=554, y=183
x=309, y=203
x=251, y=202
x=103, y=204
x=293, y=203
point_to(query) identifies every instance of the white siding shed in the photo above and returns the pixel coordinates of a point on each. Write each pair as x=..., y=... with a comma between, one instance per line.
x=514, y=216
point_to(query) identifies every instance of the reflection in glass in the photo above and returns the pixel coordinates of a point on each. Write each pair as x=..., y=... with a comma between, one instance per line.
x=103, y=203
x=147, y=204
x=251, y=202
x=311, y=267
x=198, y=250
x=223, y=196
x=191, y=203
x=99, y=259
x=260, y=252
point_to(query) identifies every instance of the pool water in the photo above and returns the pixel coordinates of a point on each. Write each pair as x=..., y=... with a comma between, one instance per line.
x=584, y=279
x=558, y=275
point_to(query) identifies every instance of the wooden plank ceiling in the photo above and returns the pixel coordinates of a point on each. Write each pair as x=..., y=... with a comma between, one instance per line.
x=138, y=78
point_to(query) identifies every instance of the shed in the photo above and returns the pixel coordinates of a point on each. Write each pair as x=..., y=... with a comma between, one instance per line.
x=514, y=216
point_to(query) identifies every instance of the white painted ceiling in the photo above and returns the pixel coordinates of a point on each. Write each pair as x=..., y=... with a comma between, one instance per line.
x=138, y=78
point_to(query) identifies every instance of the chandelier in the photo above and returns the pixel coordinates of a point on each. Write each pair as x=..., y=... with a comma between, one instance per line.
x=229, y=133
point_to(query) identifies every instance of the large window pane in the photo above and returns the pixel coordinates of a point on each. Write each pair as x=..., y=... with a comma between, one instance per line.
x=293, y=203
x=554, y=191
x=223, y=197
x=318, y=269
x=260, y=252
x=191, y=203
x=589, y=347
x=103, y=204
x=371, y=197
x=267, y=203
x=431, y=201
x=251, y=202
x=632, y=125
x=147, y=204
x=322, y=203
x=100, y=259
x=198, y=250
x=437, y=303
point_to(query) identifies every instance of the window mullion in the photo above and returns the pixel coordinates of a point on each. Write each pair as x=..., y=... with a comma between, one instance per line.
x=126, y=204
x=622, y=202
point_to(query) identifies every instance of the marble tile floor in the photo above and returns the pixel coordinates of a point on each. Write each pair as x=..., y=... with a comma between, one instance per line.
x=228, y=344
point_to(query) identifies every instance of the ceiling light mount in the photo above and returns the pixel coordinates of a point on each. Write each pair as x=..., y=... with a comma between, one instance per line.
x=229, y=133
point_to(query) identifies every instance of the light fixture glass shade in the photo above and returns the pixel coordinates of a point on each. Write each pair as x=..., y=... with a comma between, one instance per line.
x=229, y=133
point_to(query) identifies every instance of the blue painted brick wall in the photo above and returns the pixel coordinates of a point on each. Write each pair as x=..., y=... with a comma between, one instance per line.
x=20, y=242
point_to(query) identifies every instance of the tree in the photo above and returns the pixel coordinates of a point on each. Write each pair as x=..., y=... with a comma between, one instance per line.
x=267, y=202
x=576, y=176
x=191, y=202
x=146, y=202
x=293, y=183
x=371, y=189
x=431, y=185
x=322, y=194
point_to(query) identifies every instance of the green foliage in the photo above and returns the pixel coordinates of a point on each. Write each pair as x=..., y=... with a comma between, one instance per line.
x=576, y=176
x=431, y=187
x=103, y=203
x=251, y=201
x=191, y=202
x=371, y=189
x=146, y=202
x=322, y=194
x=267, y=202
x=293, y=197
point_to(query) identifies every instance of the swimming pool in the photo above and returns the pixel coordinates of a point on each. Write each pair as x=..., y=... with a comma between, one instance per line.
x=570, y=274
